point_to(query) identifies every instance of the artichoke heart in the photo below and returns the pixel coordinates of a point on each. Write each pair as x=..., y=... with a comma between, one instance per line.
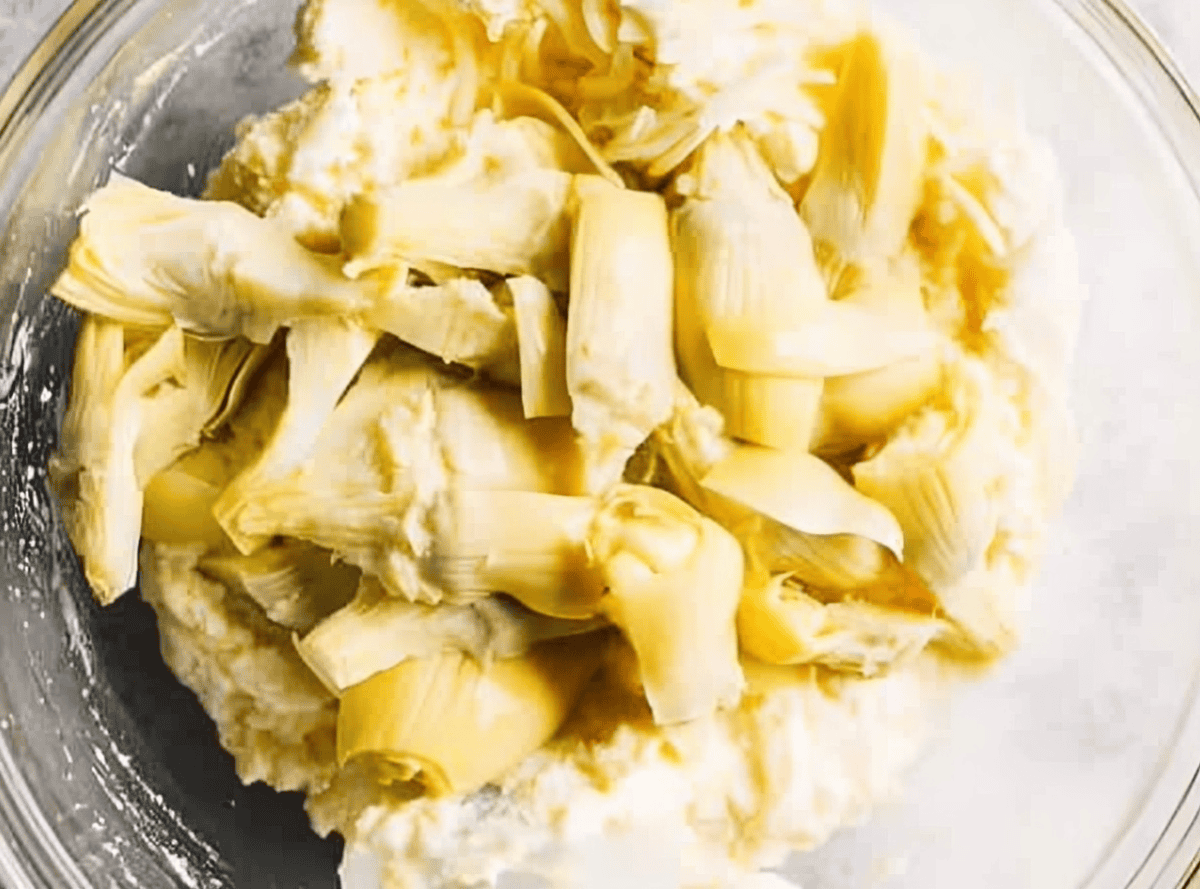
x=324, y=355
x=936, y=475
x=517, y=225
x=620, y=362
x=870, y=169
x=453, y=724
x=145, y=258
x=95, y=472
x=370, y=479
x=779, y=623
x=541, y=559
x=864, y=407
x=457, y=320
x=375, y=631
x=743, y=256
x=803, y=492
x=673, y=579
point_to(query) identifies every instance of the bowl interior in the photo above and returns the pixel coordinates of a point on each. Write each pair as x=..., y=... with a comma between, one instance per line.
x=1036, y=773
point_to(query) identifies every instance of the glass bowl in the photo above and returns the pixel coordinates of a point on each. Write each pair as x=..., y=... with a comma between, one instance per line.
x=1074, y=765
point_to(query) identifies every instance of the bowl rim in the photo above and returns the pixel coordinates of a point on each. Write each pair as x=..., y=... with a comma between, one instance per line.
x=31, y=854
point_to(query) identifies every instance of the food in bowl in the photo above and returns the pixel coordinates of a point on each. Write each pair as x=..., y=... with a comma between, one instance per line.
x=580, y=440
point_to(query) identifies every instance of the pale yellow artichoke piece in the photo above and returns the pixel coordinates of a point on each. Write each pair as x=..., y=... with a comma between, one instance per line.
x=457, y=320
x=620, y=359
x=743, y=257
x=862, y=408
x=95, y=475
x=674, y=578
x=86, y=427
x=937, y=475
x=178, y=510
x=529, y=545
x=324, y=355
x=691, y=444
x=840, y=338
x=372, y=476
x=803, y=492
x=224, y=372
x=542, y=343
x=869, y=175
x=146, y=258
x=400, y=437
x=215, y=377
x=78, y=471
x=516, y=99
x=516, y=225
x=986, y=609
x=780, y=624
x=375, y=632
x=487, y=443
x=453, y=724
x=296, y=584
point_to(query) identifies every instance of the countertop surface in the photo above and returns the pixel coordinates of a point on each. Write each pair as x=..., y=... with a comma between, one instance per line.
x=22, y=22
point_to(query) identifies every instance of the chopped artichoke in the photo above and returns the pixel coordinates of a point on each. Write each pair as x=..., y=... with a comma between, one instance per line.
x=324, y=355
x=620, y=360
x=754, y=327
x=295, y=583
x=94, y=472
x=936, y=473
x=375, y=632
x=370, y=479
x=542, y=341
x=400, y=436
x=842, y=338
x=870, y=169
x=837, y=564
x=90, y=485
x=540, y=560
x=145, y=258
x=216, y=374
x=985, y=610
x=864, y=407
x=515, y=98
x=743, y=255
x=453, y=724
x=780, y=624
x=517, y=225
x=488, y=444
x=457, y=320
x=674, y=578
x=803, y=492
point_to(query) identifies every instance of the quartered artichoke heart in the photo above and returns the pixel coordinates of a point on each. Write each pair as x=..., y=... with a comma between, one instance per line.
x=755, y=329
x=452, y=723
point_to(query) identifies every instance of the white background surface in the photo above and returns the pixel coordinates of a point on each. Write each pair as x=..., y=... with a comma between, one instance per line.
x=22, y=22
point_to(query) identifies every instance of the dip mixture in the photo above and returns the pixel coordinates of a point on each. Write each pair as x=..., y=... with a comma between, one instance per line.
x=580, y=440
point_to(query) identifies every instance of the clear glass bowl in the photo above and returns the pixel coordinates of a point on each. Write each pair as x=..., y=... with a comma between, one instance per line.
x=1074, y=766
